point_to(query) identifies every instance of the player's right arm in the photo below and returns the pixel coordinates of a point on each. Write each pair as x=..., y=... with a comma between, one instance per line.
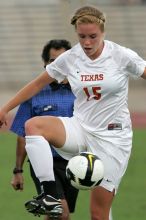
x=24, y=94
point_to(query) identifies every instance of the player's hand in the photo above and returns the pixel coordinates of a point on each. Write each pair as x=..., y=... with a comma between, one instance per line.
x=3, y=115
x=17, y=181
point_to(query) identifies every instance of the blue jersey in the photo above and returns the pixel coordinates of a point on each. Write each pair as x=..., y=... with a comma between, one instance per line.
x=55, y=99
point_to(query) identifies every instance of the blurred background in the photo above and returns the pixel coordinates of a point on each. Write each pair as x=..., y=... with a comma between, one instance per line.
x=25, y=26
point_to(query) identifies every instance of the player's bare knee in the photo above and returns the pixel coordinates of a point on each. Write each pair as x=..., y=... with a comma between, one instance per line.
x=32, y=126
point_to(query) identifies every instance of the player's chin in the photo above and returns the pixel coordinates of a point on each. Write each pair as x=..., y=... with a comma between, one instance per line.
x=89, y=53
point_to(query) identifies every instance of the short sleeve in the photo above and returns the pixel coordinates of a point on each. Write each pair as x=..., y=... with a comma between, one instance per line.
x=59, y=68
x=135, y=65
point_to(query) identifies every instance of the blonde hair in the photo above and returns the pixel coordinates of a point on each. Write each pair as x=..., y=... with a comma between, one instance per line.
x=89, y=14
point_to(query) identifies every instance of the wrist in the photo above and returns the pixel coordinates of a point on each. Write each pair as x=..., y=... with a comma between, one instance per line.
x=17, y=170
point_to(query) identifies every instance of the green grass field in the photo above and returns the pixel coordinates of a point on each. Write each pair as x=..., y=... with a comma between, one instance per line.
x=129, y=204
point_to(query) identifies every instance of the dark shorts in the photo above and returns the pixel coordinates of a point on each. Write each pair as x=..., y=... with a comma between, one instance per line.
x=65, y=190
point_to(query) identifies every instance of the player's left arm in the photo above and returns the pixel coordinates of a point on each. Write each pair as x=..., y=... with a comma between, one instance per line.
x=17, y=181
x=23, y=114
x=144, y=74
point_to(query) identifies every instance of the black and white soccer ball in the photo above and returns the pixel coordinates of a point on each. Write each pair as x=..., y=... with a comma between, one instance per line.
x=85, y=171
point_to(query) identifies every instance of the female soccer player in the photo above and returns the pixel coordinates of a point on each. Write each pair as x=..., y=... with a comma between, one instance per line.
x=98, y=72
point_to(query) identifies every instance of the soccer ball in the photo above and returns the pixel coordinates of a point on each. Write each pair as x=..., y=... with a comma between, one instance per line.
x=85, y=171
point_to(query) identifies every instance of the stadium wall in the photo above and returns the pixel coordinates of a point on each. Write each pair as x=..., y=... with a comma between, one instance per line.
x=26, y=25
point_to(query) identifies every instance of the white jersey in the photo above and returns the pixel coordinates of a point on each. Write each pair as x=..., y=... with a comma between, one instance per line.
x=100, y=85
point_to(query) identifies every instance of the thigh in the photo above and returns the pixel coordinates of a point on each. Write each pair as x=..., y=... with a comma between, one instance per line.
x=50, y=127
x=75, y=138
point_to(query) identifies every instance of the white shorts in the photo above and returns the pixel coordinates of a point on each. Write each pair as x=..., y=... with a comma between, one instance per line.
x=114, y=152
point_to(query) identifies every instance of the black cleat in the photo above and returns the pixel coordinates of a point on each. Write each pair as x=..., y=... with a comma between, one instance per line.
x=33, y=205
x=45, y=205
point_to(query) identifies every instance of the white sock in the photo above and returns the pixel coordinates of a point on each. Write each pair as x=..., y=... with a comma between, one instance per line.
x=40, y=155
